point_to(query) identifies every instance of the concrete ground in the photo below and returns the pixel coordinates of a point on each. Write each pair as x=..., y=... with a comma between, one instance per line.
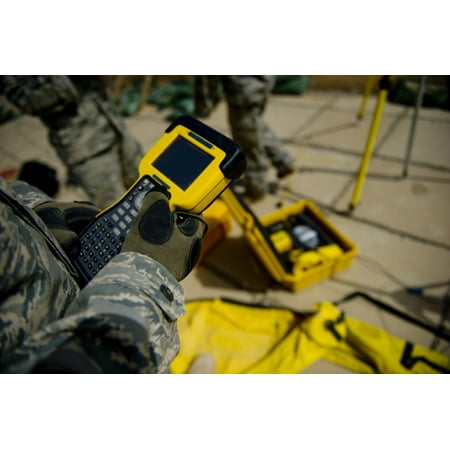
x=401, y=226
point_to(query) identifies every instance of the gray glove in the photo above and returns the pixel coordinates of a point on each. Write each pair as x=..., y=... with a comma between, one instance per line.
x=173, y=239
x=66, y=220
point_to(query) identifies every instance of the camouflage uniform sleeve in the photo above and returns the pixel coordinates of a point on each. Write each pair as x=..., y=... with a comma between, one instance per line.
x=36, y=286
x=123, y=321
x=27, y=194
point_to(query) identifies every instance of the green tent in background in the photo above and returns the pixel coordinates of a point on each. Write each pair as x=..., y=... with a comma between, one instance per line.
x=291, y=84
x=178, y=96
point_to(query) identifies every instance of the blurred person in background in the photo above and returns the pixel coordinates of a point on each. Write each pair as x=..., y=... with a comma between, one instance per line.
x=84, y=127
x=246, y=97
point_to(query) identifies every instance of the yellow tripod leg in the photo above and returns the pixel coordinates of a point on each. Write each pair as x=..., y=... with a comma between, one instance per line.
x=384, y=84
x=367, y=91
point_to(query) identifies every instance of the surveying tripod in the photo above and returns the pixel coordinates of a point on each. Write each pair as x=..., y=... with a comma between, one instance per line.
x=384, y=86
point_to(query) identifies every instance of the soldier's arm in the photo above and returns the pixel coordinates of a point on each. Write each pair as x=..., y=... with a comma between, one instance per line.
x=123, y=321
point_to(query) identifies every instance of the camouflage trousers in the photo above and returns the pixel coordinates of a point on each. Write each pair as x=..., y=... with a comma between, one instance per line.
x=246, y=97
x=124, y=320
x=100, y=153
x=88, y=134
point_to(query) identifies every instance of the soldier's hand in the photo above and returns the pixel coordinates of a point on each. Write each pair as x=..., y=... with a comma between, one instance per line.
x=66, y=220
x=172, y=238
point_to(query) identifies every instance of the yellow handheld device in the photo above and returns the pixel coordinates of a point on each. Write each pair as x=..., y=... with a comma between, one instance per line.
x=194, y=162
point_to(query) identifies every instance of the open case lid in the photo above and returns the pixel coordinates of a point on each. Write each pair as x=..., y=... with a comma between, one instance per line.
x=254, y=231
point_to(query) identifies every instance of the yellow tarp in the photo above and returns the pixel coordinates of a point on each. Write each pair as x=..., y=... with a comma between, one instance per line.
x=249, y=339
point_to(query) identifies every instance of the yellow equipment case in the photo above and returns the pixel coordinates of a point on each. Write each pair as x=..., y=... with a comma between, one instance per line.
x=297, y=244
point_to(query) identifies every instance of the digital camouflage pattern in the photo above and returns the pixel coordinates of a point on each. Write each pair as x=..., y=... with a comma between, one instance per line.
x=124, y=320
x=84, y=128
x=246, y=97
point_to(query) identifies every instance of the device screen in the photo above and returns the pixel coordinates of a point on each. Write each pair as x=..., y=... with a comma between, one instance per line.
x=182, y=162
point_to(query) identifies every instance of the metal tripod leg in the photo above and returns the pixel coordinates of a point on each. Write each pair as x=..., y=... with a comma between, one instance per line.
x=145, y=90
x=370, y=143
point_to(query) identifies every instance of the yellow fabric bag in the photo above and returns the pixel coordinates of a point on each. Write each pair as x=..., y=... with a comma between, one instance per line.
x=254, y=339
